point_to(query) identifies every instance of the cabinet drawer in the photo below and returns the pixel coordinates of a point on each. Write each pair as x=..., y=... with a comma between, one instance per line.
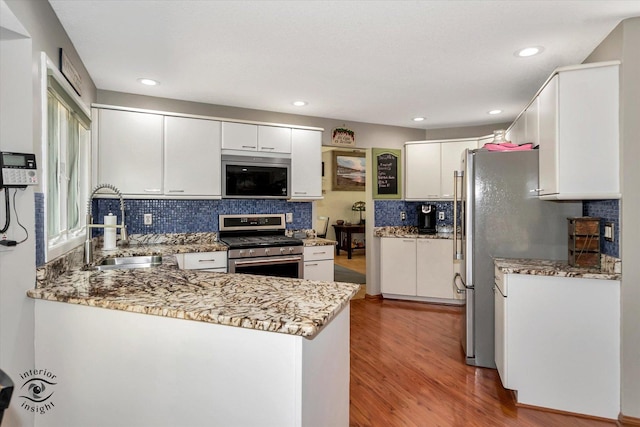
x=202, y=260
x=319, y=270
x=312, y=253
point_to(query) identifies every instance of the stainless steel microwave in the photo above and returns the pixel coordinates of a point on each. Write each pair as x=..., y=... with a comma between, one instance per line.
x=253, y=177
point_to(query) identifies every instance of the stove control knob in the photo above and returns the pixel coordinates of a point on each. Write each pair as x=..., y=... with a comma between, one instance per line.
x=290, y=249
x=266, y=251
x=241, y=252
x=282, y=250
x=251, y=251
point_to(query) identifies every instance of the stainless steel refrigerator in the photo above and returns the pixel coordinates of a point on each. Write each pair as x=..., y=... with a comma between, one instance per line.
x=500, y=217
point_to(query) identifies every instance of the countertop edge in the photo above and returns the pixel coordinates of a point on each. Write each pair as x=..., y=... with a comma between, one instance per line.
x=554, y=268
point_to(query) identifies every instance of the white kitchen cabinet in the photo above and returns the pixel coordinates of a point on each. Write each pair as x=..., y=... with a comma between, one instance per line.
x=451, y=154
x=558, y=342
x=418, y=269
x=319, y=263
x=206, y=261
x=239, y=136
x=579, y=136
x=429, y=167
x=255, y=138
x=398, y=266
x=434, y=269
x=306, y=164
x=191, y=157
x=130, y=151
x=274, y=139
x=422, y=170
x=531, y=120
x=517, y=130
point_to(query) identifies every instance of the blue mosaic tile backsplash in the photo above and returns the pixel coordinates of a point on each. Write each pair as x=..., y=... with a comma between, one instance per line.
x=608, y=211
x=188, y=216
x=183, y=216
x=39, y=222
x=387, y=212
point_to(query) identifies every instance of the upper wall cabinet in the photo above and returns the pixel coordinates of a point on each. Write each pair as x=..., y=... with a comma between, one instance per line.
x=429, y=167
x=130, y=151
x=146, y=154
x=191, y=157
x=256, y=138
x=578, y=130
x=306, y=164
x=574, y=121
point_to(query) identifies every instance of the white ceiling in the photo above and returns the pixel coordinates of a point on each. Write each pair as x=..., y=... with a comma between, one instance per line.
x=369, y=61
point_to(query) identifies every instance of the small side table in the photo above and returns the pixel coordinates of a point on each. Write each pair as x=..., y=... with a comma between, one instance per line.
x=343, y=235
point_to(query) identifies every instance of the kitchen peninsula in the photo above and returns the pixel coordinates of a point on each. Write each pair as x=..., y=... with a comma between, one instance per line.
x=165, y=347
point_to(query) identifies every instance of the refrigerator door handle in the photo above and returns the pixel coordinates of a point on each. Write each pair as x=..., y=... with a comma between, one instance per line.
x=457, y=277
x=457, y=253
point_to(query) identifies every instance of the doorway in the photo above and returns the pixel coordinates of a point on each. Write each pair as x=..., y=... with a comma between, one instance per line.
x=344, y=204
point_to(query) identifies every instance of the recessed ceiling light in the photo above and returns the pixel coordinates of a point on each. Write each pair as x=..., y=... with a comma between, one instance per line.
x=149, y=82
x=299, y=103
x=418, y=119
x=493, y=112
x=529, y=51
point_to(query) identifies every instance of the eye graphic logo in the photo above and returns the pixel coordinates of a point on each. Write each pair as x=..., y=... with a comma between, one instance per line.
x=37, y=390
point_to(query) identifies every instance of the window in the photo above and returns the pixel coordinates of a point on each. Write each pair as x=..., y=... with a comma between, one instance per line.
x=66, y=159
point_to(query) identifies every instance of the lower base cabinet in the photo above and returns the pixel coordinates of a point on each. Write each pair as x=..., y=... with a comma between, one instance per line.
x=418, y=269
x=318, y=263
x=557, y=342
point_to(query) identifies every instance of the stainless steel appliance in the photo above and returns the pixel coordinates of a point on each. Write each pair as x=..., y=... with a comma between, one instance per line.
x=427, y=219
x=255, y=177
x=258, y=245
x=500, y=216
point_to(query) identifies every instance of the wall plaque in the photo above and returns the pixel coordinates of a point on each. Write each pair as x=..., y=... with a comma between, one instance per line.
x=387, y=170
x=343, y=137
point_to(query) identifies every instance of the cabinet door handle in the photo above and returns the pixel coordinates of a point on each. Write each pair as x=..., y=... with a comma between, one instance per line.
x=253, y=147
x=536, y=190
x=300, y=192
x=176, y=191
x=267, y=148
x=407, y=241
x=152, y=190
x=311, y=265
x=206, y=260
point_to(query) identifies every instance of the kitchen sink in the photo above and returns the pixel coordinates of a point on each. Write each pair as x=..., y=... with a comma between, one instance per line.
x=129, y=262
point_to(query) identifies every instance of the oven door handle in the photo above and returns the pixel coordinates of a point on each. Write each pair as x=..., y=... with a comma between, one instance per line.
x=268, y=260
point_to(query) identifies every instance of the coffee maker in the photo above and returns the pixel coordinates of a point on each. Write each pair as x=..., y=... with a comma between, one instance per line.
x=427, y=219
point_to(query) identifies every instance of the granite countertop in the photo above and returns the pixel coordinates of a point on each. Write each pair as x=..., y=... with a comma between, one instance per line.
x=318, y=241
x=553, y=268
x=408, y=232
x=290, y=306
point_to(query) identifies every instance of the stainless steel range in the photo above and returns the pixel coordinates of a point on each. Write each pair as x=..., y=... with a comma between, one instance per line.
x=258, y=245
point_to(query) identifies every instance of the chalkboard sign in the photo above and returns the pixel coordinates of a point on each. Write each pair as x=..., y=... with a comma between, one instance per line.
x=387, y=172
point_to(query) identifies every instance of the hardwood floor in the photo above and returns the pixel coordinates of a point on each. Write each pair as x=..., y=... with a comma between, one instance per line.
x=407, y=369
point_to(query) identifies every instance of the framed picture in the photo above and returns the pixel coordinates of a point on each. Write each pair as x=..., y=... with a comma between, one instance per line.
x=349, y=171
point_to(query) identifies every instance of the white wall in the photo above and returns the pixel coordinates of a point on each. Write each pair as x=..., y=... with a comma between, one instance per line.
x=28, y=27
x=17, y=272
x=622, y=43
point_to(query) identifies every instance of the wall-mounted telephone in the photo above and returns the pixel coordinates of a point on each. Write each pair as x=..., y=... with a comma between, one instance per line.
x=18, y=169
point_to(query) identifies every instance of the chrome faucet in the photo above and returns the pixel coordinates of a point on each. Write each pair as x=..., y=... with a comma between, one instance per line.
x=88, y=244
